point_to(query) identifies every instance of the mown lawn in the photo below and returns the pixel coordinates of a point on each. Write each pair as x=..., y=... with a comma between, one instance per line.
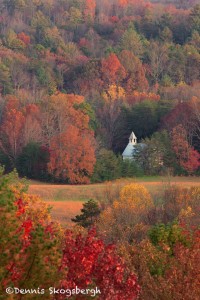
x=66, y=200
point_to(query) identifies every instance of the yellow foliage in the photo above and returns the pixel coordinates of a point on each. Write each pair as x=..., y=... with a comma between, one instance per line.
x=136, y=196
x=186, y=213
x=114, y=93
x=123, y=220
x=35, y=209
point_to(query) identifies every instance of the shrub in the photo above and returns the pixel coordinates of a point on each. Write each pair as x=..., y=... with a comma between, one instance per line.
x=125, y=219
x=180, y=203
x=165, y=276
x=166, y=236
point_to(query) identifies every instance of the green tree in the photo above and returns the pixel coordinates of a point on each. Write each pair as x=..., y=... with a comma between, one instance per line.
x=5, y=80
x=130, y=168
x=132, y=41
x=32, y=162
x=155, y=154
x=143, y=118
x=90, y=212
x=108, y=166
x=195, y=18
x=167, y=234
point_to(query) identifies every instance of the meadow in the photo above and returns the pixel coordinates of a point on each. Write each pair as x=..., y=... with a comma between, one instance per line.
x=66, y=200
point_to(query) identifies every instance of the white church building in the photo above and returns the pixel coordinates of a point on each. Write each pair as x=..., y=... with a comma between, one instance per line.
x=128, y=152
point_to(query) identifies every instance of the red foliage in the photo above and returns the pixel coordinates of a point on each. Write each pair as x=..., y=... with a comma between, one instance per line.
x=187, y=156
x=26, y=226
x=114, y=19
x=20, y=205
x=183, y=277
x=24, y=38
x=88, y=261
x=84, y=43
x=193, y=162
x=180, y=114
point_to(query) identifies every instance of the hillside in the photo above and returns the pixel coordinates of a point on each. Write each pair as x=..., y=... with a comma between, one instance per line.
x=84, y=74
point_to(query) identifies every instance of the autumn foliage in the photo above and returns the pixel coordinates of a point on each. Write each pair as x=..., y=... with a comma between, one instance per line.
x=87, y=260
x=74, y=158
x=60, y=130
x=72, y=154
x=124, y=220
x=187, y=156
x=76, y=78
x=112, y=69
x=165, y=276
x=37, y=252
x=29, y=240
x=123, y=65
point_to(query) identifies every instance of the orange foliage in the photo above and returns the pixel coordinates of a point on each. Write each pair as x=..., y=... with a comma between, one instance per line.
x=72, y=154
x=32, y=127
x=112, y=69
x=89, y=11
x=136, y=97
x=123, y=2
x=11, y=141
x=19, y=127
x=135, y=77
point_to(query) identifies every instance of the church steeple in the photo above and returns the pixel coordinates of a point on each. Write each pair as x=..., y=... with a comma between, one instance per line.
x=133, y=138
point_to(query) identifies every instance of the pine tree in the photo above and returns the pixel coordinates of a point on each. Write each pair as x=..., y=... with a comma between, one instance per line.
x=90, y=212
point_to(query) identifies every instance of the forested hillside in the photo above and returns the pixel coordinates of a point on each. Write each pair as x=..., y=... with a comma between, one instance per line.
x=77, y=76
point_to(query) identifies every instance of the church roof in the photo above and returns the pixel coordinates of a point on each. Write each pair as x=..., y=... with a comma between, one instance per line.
x=128, y=152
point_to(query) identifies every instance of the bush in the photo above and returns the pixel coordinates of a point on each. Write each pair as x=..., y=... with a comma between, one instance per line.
x=163, y=236
x=180, y=203
x=125, y=220
x=166, y=276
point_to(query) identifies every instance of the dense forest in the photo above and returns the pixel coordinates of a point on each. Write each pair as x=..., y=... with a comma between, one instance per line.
x=77, y=77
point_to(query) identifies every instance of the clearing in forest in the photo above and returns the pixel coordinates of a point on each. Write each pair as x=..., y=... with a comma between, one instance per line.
x=66, y=200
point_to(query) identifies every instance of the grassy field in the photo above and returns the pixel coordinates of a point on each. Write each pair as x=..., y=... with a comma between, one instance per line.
x=66, y=200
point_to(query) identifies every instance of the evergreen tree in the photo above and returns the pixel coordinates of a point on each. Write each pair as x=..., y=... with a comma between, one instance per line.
x=90, y=212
